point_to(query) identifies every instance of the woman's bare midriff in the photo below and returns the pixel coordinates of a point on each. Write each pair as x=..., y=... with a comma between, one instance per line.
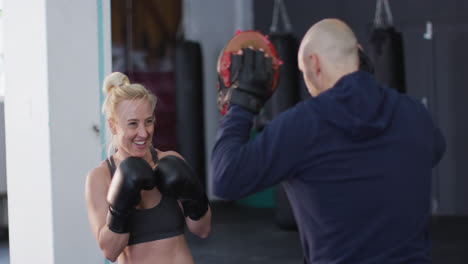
x=172, y=250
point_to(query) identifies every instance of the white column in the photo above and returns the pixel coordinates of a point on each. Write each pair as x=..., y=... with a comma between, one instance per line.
x=52, y=105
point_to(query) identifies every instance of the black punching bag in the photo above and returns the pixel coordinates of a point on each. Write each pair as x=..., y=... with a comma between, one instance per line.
x=287, y=89
x=285, y=96
x=385, y=48
x=189, y=105
x=386, y=52
x=287, y=92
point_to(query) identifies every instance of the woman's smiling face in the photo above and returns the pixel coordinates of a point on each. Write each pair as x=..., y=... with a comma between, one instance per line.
x=133, y=127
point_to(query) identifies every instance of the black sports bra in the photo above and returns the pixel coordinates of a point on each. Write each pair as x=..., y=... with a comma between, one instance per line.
x=162, y=221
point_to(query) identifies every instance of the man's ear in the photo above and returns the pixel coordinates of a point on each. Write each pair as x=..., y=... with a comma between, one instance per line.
x=315, y=64
x=112, y=128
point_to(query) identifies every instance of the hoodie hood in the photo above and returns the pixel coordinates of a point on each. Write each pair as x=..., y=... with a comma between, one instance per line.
x=358, y=105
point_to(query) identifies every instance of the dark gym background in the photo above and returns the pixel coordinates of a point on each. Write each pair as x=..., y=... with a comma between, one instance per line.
x=245, y=231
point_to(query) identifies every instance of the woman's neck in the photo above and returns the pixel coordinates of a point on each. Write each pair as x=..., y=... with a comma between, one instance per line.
x=121, y=155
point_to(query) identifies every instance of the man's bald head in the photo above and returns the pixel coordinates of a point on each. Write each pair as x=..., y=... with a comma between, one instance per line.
x=328, y=51
x=333, y=40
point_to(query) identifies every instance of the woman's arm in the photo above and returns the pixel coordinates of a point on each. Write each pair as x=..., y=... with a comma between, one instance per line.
x=201, y=227
x=97, y=184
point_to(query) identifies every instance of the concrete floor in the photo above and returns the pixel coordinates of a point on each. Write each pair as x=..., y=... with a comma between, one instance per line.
x=239, y=235
x=245, y=235
x=4, y=255
x=251, y=236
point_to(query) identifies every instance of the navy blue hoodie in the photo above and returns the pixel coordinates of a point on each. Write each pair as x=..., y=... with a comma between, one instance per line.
x=355, y=163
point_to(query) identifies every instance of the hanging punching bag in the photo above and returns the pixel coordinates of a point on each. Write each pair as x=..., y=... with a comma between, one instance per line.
x=285, y=96
x=386, y=50
x=189, y=105
x=287, y=92
x=287, y=89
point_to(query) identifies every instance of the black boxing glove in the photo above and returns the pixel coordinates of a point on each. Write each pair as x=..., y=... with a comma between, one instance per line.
x=255, y=77
x=176, y=178
x=132, y=175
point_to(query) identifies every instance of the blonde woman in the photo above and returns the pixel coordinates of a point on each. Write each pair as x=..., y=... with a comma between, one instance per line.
x=140, y=198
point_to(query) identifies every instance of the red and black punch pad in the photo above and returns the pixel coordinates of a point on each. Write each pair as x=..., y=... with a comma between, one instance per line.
x=243, y=40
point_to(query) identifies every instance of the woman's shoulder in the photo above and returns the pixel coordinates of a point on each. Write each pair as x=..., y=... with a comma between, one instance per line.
x=99, y=174
x=96, y=186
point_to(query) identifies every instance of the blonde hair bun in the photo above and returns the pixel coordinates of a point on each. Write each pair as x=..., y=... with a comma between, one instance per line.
x=113, y=80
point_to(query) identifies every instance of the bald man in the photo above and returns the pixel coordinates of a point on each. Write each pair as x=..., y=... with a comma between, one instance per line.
x=355, y=159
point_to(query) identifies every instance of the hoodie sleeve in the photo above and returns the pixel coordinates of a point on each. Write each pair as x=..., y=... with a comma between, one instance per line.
x=240, y=166
x=439, y=146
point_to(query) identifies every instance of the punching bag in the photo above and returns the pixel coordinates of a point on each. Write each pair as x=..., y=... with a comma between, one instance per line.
x=285, y=96
x=189, y=105
x=385, y=48
x=287, y=92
